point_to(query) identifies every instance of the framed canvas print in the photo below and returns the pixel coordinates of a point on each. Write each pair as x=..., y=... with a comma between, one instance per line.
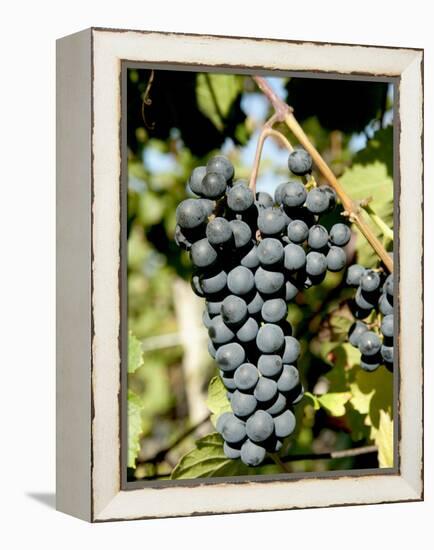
x=239, y=274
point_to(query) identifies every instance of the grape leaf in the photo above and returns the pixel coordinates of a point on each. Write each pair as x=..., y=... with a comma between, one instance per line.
x=334, y=403
x=135, y=355
x=217, y=400
x=216, y=94
x=208, y=460
x=383, y=437
x=134, y=427
x=369, y=176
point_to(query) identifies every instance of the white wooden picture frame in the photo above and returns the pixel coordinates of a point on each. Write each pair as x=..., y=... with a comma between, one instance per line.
x=90, y=480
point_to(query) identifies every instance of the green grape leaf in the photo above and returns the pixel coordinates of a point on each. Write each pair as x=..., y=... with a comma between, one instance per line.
x=334, y=403
x=383, y=437
x=135, y=354
x=208, y=460
x=372, y=392
x=215, y=95
x=151, y=208
x=370, y=176
x=134, y=427
x=217, y=401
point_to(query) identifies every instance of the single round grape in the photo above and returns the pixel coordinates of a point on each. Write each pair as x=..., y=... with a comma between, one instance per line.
x=284, y=424
x=231, y=452
x=234, y=310
x=297, y=231
x=243, y=404
x=387, y=353
x=190, y=214
x=270, y=338
x=354, y=274
x=250, y=259
x=252, y=454
x=214, y=283
x=356, y=330
x=291, y=351
x=274, y=310
x=317, y=200
x=288, y=379
x=255, y=305
x=336, y=258
x=364, y=300
x=370, y=280
x=387, y=326
x=271, y=221
x=384, y=305
x=369, y=343
x=270, y=252
x=295, y=257
x=208, y=206
x=219, y=332
x=248, y=331
x=241, y=232
x=259, y=427
x=291, y=291
x=221, y=165
x=195, y=181
x=240, y=280
x=228, y=381
x=388, y=285
x=270, y=365
x=213, y=185
x=300, y=162
x=316, y=263
x=318, y=237
x=265, y=390
x=213, y=306
x=268, y=282
x=233, y=430
x=264, y=200
x=196, y=286
x=340, y=234
x=218, y=231
x=202, y=254
x=278, y=405
x=293, y=194
x=211, y=349
x=222, y=419
x=240, y=198
x=230, y=356
x=246, y=376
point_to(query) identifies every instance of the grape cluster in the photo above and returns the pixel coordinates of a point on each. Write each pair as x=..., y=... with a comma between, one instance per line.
x=252, y=254
x=374, y=293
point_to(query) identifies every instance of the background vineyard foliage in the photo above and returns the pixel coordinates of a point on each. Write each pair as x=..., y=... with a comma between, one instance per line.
x=173, y=125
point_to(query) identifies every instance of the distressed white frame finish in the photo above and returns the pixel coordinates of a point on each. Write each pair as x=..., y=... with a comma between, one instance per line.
x=88, y=361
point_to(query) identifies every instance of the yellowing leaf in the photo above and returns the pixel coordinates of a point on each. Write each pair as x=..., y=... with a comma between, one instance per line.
x=384, y=440
x=334, y=403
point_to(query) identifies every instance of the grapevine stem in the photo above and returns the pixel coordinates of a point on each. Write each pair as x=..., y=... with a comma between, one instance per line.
x=285, y=113
x=279, y=463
